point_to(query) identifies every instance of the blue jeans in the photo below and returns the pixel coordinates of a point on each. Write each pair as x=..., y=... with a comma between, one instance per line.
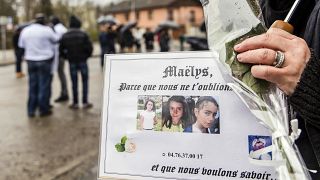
x=84, y=71
x=39, y=86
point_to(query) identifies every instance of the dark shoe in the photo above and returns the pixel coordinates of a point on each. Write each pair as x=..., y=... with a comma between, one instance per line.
x=50, y=106
x=31, y=115
x=46, y=114
x=62, y=99
x=87, y=106
x=74, y=106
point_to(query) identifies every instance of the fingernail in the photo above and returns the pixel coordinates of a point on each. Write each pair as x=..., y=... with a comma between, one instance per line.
x=239, y=57
x=237, y=47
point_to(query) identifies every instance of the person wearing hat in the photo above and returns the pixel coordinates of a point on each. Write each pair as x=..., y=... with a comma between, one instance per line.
x=38, y=40
x=76, y=46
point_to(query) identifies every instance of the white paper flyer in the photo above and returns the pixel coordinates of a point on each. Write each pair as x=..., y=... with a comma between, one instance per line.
x=172, y=116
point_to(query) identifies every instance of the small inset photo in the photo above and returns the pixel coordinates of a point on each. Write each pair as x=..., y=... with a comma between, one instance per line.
x=149, y=113
x=259, y=142
x=190, y=114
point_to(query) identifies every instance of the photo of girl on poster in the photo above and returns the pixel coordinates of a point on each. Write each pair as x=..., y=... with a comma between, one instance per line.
x=175, y=114
x=198, y=114
x=148, y=116
x=206, y=116
x=149, y=111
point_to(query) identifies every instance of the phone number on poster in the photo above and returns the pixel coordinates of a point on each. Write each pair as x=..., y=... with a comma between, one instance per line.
x=183, y=155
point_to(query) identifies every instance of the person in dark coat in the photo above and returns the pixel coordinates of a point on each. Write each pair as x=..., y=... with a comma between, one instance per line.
x=103, y=42
x=128, y=40
x=76, y=46
x=120, y=38
x=107, y=38
x=164, y=40
x=18, y=52
x=111, y=36
x=299, y=75
x=148, y=40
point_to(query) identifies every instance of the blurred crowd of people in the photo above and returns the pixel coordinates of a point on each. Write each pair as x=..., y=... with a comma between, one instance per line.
x=130, y=38
x=45, y=45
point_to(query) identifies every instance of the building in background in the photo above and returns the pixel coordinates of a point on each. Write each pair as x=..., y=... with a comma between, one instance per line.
x=150, y=13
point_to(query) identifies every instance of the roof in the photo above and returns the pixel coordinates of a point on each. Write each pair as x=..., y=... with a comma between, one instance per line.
x=125, y=6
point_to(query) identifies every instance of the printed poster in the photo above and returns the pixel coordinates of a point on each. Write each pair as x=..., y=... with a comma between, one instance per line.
x=173, y=116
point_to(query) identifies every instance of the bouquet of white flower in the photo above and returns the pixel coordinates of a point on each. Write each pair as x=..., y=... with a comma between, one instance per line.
x=228, y=22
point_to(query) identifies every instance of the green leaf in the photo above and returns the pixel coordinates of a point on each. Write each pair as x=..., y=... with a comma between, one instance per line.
x=123, y=140
x=120, y=147
x=242, y=71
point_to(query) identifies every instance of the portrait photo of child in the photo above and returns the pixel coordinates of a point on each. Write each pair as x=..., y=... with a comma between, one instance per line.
x=149, y=113
x=190, y=114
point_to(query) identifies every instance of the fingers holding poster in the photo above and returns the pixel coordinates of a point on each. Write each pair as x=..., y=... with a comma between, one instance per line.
x=158, y=123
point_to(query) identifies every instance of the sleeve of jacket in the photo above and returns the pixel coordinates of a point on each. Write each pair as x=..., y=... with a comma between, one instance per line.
x=273, y=10
x=306, y=98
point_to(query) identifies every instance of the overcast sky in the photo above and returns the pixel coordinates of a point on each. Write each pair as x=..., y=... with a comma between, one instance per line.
x=105, y=1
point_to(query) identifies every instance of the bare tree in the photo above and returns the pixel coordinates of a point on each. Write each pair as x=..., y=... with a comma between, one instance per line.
x=62, y=10
x=6, y=8
x=43, y=6
x=28, y=4
x=46, y=7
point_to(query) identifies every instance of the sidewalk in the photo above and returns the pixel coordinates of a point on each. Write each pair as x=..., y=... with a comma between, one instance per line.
x=7, y=57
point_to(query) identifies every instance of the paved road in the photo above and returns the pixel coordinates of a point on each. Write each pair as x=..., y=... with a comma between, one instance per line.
x=61, y=146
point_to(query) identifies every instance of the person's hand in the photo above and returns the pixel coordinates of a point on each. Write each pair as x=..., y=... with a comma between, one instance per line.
x=261, y=51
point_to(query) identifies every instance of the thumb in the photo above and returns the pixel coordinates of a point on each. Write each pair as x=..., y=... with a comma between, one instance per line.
x=269, y=73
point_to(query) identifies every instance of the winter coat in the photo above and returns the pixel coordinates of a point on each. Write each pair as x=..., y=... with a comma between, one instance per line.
x=75, y=46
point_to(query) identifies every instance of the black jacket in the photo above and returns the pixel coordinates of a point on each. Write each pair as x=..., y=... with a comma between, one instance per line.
x=306, y=101
x=164, y=40
x=306, y=98
x=75, y=46
x=128, y=38
x=148, y=39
